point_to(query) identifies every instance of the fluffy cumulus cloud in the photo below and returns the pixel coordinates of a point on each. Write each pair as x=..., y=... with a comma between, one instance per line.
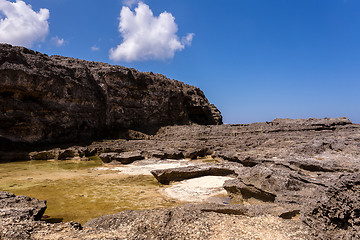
x=146, y=36
x=21, y=25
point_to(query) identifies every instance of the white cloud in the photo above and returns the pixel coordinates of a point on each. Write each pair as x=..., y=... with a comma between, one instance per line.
x=146, y=36
x=58, y=41
x=187, y=39
x=21, y=25
x=130, y=3
x=95, y=48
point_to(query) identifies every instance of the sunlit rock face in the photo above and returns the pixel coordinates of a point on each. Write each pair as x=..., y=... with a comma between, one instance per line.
x=57, y=99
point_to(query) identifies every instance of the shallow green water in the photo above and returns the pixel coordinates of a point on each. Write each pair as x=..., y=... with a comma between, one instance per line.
x=75, y=192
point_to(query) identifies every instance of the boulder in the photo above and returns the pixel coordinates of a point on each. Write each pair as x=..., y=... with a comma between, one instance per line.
x=44, y=155
x=165, y=176
x=124, y=157
x=167, y=153
x=107, y=157
x=68, y=154
x=21, y=207
x=242, y=191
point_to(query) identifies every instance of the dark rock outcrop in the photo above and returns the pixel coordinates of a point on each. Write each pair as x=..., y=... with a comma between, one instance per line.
x=47, y=100
x=21, y=207
x=20, y=218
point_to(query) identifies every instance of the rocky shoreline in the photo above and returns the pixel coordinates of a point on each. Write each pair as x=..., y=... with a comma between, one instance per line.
x=284, y=179
x=302, y=175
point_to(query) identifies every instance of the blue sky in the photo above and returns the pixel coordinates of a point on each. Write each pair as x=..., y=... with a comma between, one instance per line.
x=256, y=60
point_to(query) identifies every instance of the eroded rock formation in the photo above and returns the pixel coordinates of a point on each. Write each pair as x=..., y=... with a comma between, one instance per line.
x=46, y=100
x=293, y=179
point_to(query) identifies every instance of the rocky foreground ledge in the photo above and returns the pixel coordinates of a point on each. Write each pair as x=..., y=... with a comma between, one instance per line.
x=292, y=179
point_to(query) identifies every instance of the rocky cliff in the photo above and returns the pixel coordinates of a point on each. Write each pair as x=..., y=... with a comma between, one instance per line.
x=46, y=100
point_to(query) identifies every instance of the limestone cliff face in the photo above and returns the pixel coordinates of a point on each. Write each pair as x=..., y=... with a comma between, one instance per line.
x=58, y=99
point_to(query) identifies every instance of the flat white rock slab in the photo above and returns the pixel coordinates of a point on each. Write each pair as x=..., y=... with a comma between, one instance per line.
x=197, y=189
x=191, y=190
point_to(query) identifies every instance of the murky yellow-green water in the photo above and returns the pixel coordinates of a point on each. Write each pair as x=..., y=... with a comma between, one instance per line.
x=74, y=192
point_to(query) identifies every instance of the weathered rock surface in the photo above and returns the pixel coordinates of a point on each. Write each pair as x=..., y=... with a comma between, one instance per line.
x=18, y=215
x=336, y=214
x=165, y=176
x=21, y=207
x=196, y=223
x=47, y=100
x=238, y=188
x=284, y=212
x=300, y=178
x=288, y=166
x=166, y=153
x=209, y=221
